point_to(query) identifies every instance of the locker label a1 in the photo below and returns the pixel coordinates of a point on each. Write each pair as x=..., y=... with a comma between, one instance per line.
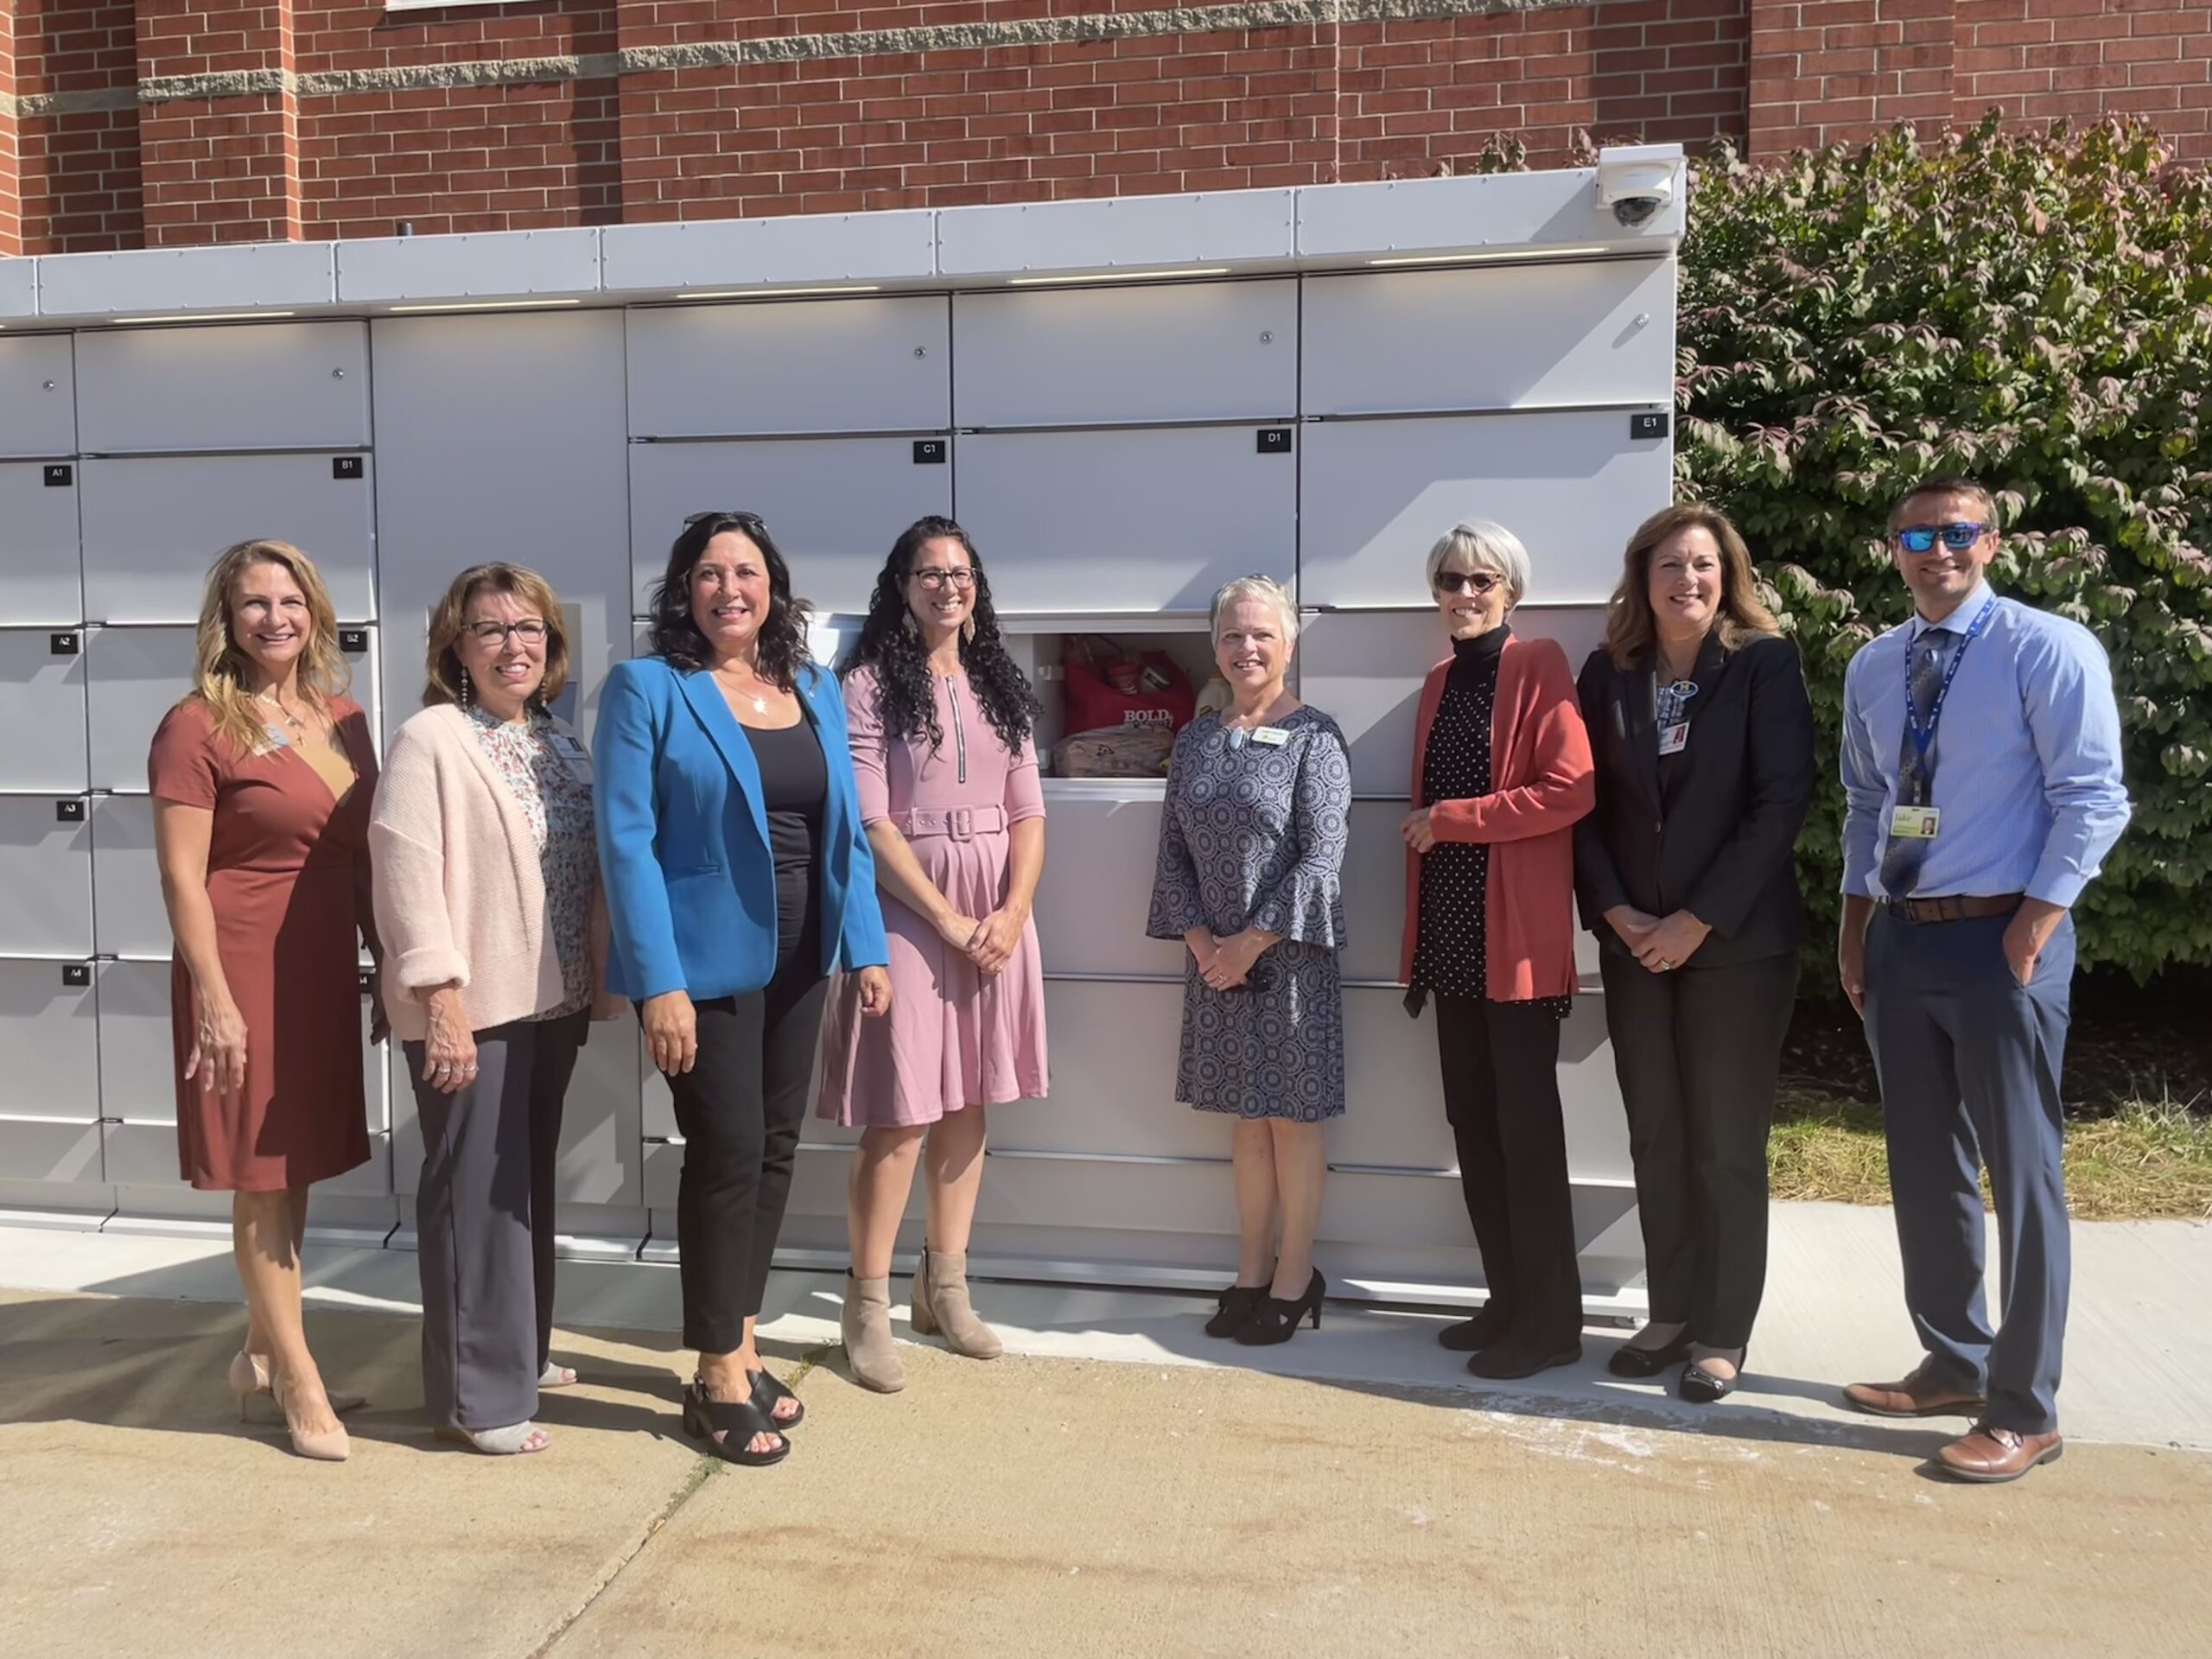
x=60, y=476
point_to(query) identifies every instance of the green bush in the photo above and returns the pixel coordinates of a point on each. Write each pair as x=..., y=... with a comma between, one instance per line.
x=2033, y=312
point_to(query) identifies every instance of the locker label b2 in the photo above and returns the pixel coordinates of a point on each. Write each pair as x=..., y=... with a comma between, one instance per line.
x=344, y=466
x=352, y=641
x=59, y=475
x=929, y=452
x=1275, y=440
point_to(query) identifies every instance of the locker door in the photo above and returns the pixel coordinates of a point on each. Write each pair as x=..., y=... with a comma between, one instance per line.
x=1376, y=494
x=1103, y=842
x=1496, y=337
x=265, y=386
x=38, y=396
x=129, y=919
x=153, y=524
x=800, y=365
x=39, y=579
x=1114, y=1048
x=1367, y=670
x=503, y=436
x=1150, y=519
x=1098, y=357
x=834, y=506
x=46, y=876
x=65, y=1153
x=137, y=1052
x=42, y=689
x=133, y=676
x=50, y=1031
x=601, y=1143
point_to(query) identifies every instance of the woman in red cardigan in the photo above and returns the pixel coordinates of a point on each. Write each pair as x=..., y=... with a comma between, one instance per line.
x=1502, y=771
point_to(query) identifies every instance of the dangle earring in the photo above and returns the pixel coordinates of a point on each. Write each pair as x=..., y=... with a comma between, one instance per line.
x=913, y=628
x=967, y=631
x=467, y=690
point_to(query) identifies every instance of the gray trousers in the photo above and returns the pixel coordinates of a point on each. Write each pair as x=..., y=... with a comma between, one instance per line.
x=484, y=1220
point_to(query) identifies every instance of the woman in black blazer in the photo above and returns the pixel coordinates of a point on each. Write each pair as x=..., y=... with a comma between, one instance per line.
x=1703, y=737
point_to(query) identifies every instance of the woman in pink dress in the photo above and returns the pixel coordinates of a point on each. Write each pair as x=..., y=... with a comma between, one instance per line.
x=941, y=718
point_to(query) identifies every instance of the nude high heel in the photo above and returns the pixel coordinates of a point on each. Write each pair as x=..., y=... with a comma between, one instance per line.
x=332, y=1445
x=249, y=1378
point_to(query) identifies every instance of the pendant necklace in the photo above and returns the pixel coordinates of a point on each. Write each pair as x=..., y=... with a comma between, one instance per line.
x=759, y=703
x=299, y=728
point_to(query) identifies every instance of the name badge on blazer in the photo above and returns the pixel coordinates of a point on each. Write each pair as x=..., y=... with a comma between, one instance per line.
x=572, y=754
x=1674, y=739
x=1273, y=736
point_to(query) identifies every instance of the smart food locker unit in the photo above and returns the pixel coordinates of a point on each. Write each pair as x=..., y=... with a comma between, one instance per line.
x=1126, y=402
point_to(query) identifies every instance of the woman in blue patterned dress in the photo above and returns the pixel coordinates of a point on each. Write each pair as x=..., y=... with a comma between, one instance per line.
x=1251, y=846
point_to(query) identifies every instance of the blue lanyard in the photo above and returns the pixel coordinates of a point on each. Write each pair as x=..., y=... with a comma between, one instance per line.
x=1924, y=735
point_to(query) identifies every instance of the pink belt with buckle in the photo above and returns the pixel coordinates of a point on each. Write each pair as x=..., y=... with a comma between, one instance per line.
x=960, y=822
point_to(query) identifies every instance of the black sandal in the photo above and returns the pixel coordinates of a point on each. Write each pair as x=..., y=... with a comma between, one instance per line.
x=739, y=1421
x=766, y=1391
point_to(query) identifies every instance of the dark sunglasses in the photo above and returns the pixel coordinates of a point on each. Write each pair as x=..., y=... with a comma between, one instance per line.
x=1474, y=582
x=1918, y=538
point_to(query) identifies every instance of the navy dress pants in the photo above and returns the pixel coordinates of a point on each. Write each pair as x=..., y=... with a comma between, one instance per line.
x=1970, y=1062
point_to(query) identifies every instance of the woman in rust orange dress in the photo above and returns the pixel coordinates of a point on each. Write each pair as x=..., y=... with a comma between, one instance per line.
x=261, y=781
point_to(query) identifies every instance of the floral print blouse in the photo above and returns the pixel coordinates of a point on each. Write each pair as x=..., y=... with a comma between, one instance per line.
x=555, y=798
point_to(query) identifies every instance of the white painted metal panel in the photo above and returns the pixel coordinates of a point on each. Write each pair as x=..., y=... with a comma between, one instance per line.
x=502, y=437
x=271, y=385
x=44, y=1151
x=1131, y=520
x=466, y=266
x=46, y=876
x=158, y=281
x=658, y=1105
x=1415, y=1228
x=1376, y=494
x=1479, y=213
x=1101, y=838
x=129, y=919
x=1120, y=233
x=786, y=252
x=1096, y=356
x=18, y=288
x=50, y=1031
x=1518, y=336
x=1114, y=1045
x=791, y=367
x=43, y=691
x=153, y=524
x=834, y=506
x=143, y=1156
x=1367, y=669
x=39, y=572
x=138, y=1051
x=38, y=394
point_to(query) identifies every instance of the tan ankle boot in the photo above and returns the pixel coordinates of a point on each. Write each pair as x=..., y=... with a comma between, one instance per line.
x=941, y=1304
x=866, y=1326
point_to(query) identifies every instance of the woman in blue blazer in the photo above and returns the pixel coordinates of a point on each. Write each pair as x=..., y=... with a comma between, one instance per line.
x=738, y=879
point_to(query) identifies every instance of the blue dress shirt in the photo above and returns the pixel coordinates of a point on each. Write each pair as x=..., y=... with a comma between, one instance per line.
x=2026, y=757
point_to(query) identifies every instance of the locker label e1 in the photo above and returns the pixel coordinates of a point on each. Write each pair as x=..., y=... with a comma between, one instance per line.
x=1646, y=426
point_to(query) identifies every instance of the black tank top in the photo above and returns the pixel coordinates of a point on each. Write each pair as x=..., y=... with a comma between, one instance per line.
x=794, y=783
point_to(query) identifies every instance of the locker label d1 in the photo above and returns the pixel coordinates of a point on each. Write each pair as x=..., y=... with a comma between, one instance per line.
x=1646, y=426
x=60, y=476
x=929, y=452
x=345, y=467
x=1275, y=440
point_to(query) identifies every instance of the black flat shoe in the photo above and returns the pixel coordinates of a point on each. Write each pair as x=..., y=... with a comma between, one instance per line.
x=1648, y=1361
x=1238, y=1303
x=1704, y=1389
x=1473, y=1336
x=1509, y=1360
x=1275, y=1320
x=739, y=1421
x=766, y=1391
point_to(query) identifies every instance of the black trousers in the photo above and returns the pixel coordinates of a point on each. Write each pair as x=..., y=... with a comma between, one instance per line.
x=740, y=1109
x=1500, y=1095
x=1697, y=1051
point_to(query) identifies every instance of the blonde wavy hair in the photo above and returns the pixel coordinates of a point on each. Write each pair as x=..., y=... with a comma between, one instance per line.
x=221, y=668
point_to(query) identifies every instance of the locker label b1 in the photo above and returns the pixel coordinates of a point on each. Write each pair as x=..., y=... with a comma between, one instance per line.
x=59, y=475
x=929, y=452
x=1646, y=426
x=76, y=975
x=69, y=811
x=352, y=641
x=1275, y=440
x=343, y=466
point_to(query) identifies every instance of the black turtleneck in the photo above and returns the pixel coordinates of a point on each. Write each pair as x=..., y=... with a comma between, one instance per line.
x=1474, y=662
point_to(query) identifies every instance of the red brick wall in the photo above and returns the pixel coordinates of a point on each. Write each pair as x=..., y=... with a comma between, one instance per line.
x=584, y=111
x=11, y=196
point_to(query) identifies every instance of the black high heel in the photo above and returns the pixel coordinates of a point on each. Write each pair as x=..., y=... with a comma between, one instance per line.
x=1704, y=1389
x=1649, y=1362
x=1276, y=1321
x=1238, y=1303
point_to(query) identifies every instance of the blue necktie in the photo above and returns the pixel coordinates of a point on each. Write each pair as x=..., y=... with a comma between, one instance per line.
x=1903, y=855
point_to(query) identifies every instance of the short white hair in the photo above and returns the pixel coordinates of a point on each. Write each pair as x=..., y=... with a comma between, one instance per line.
x=1487, y=546
x=1268, y=592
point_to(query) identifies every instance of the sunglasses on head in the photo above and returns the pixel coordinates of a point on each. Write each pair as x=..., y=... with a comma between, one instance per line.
x=1918, y=538
x=751, y=520
x=1474, y=582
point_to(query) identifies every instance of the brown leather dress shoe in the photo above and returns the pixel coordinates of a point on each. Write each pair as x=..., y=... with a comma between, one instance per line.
x=1920, y=1395
x=1990, y=1455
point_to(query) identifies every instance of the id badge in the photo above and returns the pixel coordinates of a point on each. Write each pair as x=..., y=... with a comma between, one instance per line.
x=1273, y=736
x=278, y=737
x=1915, y=823
x=1676, y=738
x=572, y=754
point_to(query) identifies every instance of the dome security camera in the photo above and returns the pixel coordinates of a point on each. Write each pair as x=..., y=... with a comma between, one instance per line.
x=1636, y=181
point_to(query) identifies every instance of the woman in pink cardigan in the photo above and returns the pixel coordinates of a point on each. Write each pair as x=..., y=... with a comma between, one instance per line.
x=486, y=882
x=1502, y=771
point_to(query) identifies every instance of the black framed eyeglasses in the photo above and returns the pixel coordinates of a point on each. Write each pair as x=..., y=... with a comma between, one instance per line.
x=935, y=580
x=1958, y=537
x=1473, y=582
x=530, y=631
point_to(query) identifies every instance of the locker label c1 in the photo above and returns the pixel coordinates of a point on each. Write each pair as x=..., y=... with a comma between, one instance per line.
x=59, y=475
x=929, y=452
x=76, y=975
x=62, y=645
x=1274, y=440
x=345, y=467
x=69, y=811
x=352, y=641
x=1650, y=425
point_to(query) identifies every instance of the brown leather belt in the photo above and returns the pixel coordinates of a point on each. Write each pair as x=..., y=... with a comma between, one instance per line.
x=1953, y=907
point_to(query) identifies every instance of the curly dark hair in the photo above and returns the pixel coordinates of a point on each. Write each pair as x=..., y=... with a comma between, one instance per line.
x=676, y=637
x=894, y=649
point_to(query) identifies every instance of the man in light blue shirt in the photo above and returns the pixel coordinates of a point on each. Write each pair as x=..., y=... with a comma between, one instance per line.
x=1982, y=773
